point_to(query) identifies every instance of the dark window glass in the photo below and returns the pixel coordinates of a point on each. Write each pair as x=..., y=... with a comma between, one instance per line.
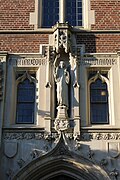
x=74, y=12
x=50, y=12
x=98, y=102
x=73, y=9
x=25, y=102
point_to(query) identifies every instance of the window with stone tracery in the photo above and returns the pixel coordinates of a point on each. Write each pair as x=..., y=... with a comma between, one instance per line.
x=25, y=99
x=98, y=98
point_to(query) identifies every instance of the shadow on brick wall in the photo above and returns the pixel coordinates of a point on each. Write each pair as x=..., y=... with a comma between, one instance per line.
x=89, y=40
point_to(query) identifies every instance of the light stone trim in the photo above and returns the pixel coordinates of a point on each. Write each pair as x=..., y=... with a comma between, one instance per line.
x=34, y=16
x=61, y=11
x=28, y=62
x=88, y=15
x=98, y=60
x=29, y=136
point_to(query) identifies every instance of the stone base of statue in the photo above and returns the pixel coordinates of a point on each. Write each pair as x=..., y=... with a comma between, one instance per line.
x=61, y=122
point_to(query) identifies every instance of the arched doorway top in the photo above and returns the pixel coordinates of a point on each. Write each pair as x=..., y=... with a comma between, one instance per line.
x=61, y=161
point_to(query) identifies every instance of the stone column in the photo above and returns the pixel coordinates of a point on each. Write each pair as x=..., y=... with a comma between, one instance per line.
x=61, y=11
x=2, y=89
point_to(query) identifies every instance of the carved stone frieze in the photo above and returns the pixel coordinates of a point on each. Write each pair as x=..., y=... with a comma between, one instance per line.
x=100, y=136
x=27, y=61
x=29, y=136
x=23, y=135
x=98, y=60
x=54, y=136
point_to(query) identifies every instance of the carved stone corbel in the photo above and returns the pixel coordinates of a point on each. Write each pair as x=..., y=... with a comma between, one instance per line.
x=62, y=37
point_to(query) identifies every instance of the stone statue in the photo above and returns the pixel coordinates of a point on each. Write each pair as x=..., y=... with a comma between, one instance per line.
x=62, y=79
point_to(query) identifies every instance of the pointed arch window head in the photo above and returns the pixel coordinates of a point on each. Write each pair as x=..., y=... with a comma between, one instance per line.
x=25, y=99
x=99, y=110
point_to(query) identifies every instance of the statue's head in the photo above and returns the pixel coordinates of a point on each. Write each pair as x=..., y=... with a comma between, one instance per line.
x=61, y=64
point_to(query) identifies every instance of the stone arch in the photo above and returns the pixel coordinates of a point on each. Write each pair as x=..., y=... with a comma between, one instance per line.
x=61, y=161
x=51, y=167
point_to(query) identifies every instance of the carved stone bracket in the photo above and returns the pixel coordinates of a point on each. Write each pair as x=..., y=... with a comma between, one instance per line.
x=62, y=37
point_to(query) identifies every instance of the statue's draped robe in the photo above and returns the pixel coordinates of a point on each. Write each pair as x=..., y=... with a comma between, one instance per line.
x=62, y=81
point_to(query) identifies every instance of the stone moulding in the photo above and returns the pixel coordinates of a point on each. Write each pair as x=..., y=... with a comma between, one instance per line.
x=28, y=136
x=100, y=136
x=49, y=136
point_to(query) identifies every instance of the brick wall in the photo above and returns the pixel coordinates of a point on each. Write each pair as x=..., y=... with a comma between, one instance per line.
x=14, y=14
x=107, y=14
x=22, y=43
x=29, y=43
x=100, y=43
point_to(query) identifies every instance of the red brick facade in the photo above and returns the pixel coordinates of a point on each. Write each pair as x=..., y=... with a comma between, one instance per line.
x=100, y=43
x=15, y=15
x=107, y=14
x=22, y=43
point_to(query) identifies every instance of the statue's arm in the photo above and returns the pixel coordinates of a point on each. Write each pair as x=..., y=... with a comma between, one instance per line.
x=56, y=74
x=67, y=76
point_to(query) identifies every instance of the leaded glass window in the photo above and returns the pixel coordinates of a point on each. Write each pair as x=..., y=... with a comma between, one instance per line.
x=25, y=102
x=99, y=112
x=50, y=11
x=74, y=12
